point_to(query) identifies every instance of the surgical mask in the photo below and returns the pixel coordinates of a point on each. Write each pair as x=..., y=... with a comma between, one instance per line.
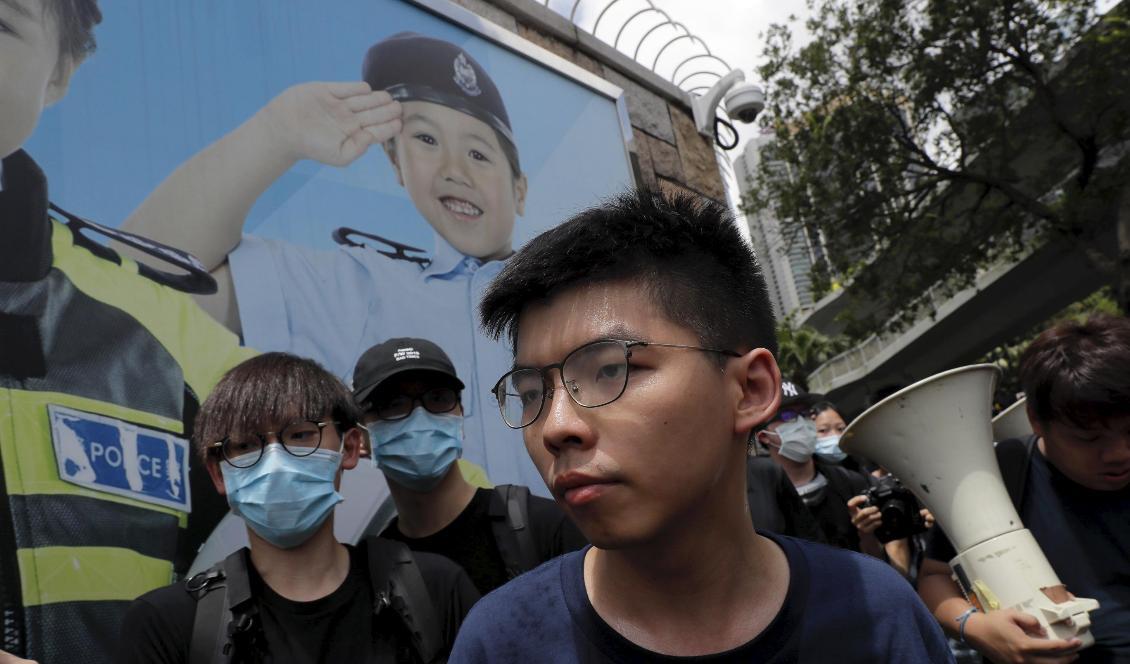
x=798, y=439
x=284, y=498
x=417, y=451
x=828, y=447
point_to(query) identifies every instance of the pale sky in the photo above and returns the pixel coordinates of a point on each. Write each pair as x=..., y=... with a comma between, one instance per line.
x=731, y=29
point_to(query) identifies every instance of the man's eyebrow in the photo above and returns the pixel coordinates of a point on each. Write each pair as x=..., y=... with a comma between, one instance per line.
x=19, y=8
x=618, y=331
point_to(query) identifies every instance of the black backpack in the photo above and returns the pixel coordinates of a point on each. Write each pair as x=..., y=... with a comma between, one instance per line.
x=510, y=521
x=226, y=613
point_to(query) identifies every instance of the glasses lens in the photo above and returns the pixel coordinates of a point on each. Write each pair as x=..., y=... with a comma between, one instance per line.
x=440, y=400
x=788, y=415
x=520, y=394
x=394, y=407
x=242, y=450
x=597, y=373
x=301, y=438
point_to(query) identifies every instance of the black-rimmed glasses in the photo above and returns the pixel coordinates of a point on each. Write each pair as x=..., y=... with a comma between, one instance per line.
x=595, y=374
x=437, y=400
x=300, y=438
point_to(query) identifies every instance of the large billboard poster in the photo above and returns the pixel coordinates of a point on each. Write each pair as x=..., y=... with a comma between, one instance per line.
x=229, y=130
x=500, y=141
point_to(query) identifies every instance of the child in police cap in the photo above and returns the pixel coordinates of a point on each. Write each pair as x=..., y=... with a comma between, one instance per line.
x=444, y=126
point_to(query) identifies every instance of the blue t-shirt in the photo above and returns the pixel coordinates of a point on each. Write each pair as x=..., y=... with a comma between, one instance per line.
x=1085, y=535
x=840, y=607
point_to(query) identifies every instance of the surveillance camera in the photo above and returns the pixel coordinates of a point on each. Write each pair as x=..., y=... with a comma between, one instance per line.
x=744, y=102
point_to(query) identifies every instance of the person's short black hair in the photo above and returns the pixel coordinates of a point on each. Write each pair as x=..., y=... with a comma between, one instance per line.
x=270, y=390
x=1079, y=372
x=75, y=20
x=684, y=251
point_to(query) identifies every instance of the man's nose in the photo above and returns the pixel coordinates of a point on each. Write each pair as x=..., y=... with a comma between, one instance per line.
x=562, y=424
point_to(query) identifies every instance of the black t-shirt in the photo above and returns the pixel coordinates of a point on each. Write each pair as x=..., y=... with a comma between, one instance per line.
x=339, y=627
x=774, y=504
x=469, y=539
x=831, y=510
x=1085, y=535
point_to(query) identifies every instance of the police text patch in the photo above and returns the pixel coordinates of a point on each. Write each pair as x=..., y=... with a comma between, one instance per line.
x=106, y=454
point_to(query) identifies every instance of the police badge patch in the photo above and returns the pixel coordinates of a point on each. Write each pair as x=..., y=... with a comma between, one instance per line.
x=465, y=77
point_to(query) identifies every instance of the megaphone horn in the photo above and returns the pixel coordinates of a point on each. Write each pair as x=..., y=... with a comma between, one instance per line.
x=936, y=437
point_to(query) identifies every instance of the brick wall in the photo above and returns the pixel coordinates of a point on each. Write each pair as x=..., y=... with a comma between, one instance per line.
x=668, y=153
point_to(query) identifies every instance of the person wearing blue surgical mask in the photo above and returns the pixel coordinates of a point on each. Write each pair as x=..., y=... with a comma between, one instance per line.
x=276, y=434
x=830, y=426
x=793, y=441
x=410, y=396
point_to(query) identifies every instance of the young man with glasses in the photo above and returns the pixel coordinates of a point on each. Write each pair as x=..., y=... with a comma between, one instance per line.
x=276, y=435
x=643, y=342
x=410, y=396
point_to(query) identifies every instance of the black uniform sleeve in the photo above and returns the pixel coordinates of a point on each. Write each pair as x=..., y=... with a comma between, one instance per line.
x=554, y=533
x=157, y=628
x=451, y=591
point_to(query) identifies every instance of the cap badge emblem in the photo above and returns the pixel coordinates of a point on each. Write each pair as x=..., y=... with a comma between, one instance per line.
x=465, y=77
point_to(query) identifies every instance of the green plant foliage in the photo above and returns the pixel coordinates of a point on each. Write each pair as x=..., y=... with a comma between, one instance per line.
x=927, y=139
x=802, y=349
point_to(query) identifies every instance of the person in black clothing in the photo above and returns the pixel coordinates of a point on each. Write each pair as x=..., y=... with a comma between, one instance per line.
x=410, y=396
x=1070, y=484
x=276, y=434
x=824, y=487
x=774, y=504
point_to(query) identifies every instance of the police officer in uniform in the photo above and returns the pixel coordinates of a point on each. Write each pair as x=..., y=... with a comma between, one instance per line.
x=102, y=366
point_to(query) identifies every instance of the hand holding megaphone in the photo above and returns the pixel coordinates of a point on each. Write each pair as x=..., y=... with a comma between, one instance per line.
x=936, y=437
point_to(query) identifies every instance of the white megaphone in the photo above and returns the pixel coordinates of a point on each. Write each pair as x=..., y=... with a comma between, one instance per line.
x=1012, y=422
x=936, y=437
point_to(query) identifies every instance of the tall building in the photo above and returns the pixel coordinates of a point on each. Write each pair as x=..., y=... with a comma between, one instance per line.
x=787, y=260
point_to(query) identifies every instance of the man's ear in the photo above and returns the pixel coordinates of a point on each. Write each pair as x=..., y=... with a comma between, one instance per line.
x=759, y=383
x=351, y=442
x=60, y=81
x=1033, y=421
x=390, y=152
x=212, y=464
x=520, y=186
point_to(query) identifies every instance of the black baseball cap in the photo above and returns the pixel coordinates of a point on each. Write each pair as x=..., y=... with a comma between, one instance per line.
x=395, y=356
x=412, y=67
x=795, y=401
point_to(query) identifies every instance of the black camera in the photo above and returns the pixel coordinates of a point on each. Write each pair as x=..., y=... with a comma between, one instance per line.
x=898, y=506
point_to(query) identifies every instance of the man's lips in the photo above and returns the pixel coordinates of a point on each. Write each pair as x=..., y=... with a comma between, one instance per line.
x=577, y=488
x=462, y=208
x=1118, y=473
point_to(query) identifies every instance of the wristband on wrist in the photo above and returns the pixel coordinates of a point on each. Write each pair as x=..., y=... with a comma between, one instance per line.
x=961, y=620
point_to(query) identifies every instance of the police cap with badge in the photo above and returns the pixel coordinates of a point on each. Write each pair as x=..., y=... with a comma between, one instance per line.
x=412, y=67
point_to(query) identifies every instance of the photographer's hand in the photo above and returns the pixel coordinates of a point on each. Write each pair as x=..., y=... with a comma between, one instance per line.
x=865, y=519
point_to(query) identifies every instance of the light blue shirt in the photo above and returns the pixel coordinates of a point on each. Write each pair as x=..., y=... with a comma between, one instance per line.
x=333, y=305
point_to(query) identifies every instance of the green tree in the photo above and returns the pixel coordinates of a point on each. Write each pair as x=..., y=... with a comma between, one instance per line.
x=927, y=139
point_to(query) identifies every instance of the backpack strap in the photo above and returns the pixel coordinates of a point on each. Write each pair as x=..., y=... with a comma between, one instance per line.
x=1014, y=456
x=221, y=591
x=397, y=583
x=510, y=520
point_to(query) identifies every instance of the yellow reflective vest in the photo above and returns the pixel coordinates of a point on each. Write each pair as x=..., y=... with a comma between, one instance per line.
x=101, y=372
